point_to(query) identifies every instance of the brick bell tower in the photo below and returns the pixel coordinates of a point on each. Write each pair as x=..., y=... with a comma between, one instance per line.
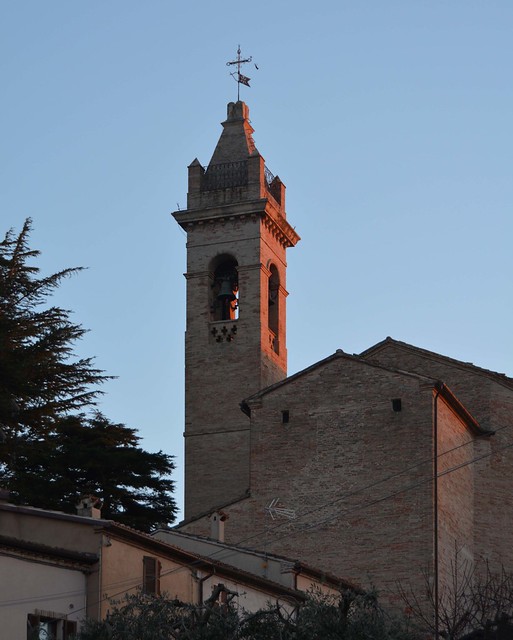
x=235, y=340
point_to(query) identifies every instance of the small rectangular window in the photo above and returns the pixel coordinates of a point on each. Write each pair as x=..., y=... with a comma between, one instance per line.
x=285, y=416
x=396, y=404
x=151, y=575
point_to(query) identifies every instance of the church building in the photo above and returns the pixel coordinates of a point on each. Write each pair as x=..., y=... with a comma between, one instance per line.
x=384, y=467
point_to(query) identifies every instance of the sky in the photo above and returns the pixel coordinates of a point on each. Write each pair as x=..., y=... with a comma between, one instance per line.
x=390, y=123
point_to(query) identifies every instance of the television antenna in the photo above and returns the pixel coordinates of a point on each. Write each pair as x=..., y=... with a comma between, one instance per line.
x=274, y=510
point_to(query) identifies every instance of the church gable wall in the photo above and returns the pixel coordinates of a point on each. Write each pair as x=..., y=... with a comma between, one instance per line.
x=357, y=474
x=341, y=464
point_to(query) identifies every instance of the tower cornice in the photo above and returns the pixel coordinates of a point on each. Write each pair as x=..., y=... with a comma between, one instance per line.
x=262, y=208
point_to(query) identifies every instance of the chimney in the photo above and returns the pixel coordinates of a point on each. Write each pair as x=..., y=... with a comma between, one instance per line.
x=4, y=495
x=89, y=507
x=217, y=520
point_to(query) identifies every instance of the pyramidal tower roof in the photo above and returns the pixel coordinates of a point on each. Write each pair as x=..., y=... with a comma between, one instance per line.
x=236, y=142
x=236, y=182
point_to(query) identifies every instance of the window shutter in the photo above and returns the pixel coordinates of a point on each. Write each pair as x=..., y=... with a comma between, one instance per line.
x=151, y=575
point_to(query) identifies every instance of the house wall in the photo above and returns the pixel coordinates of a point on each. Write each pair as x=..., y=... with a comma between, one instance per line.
x=249, y=598
x=29, y=586
x=490, y=401
x=308, y=585
x=122, y=572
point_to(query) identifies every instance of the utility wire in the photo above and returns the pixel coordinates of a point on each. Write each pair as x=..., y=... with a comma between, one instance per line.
x=427, y=479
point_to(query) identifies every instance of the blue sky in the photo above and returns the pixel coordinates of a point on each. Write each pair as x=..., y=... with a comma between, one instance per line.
x=389, y=122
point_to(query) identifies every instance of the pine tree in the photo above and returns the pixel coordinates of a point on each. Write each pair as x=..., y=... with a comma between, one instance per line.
x=38, y=378
x=50, y=451
x=93, y=456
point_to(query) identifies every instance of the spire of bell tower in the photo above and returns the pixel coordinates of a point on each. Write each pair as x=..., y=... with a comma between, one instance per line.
x=235, y=342
x=236, y=142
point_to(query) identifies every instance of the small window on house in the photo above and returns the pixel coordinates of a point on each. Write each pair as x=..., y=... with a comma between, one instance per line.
x=396, y=404
x=285, y=416
x=151, y=575
x=46, y=627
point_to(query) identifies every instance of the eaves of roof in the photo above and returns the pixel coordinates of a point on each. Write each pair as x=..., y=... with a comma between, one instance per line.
x=460, y=410
x=51, y=515
x=43, y=551
x=190, y=559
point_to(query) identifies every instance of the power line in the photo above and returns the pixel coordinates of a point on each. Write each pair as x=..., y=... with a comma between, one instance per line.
x=138, y=581
x=360, y=506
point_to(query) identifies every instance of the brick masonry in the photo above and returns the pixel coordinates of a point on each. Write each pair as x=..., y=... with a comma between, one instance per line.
x=489, y=397
x=357, y=473
x=228, y=360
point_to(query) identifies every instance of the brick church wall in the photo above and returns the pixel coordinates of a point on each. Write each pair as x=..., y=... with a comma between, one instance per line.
x=455, y=498
x=490, y=400
x=357, y=474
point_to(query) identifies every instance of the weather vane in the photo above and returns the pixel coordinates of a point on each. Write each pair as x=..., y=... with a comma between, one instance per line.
x=237, y=75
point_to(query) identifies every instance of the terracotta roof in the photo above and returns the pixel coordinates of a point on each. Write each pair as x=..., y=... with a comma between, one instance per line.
x=37, y=550
x=125, y=533
x=297, y=565
x=218, y=507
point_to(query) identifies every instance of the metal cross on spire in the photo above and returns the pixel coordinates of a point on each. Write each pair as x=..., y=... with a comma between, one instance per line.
x=237, y=75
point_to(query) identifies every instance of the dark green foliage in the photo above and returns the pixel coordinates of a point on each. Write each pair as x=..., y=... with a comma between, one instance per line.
x=51, y=452
x=143, y=617
x=94, y=456
x=39, y=380
x=348, y=616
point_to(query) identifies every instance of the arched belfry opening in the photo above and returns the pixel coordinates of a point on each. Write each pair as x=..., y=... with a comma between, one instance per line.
x=224, y=301
x=273, y=307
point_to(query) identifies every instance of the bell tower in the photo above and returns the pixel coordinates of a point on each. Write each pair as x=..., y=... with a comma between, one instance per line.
x=235, y=340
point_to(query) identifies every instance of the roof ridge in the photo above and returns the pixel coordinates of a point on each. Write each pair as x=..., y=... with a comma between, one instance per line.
x=339, y=353
x=502, y=377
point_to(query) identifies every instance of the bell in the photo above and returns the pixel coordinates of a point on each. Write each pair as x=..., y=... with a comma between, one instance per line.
x=226, y=290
